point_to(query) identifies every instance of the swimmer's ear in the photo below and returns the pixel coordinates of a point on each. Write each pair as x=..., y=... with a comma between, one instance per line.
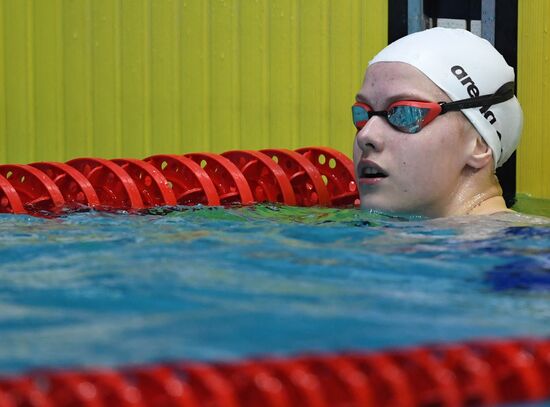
x=481, y=154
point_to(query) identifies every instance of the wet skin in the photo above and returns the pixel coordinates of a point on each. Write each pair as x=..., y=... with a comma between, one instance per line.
x=428, y=172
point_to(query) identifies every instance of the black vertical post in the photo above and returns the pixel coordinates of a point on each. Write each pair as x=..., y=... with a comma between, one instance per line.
x=506, y=42
x=397, y=19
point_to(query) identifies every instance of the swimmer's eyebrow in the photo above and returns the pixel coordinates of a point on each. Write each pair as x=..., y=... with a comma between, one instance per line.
x=360, y=98
x=400, y=96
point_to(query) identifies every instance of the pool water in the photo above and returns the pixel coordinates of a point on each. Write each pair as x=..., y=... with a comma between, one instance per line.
x=91, y=289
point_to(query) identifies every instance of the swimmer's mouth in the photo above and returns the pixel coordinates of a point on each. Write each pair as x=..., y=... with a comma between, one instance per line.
x=368, y=170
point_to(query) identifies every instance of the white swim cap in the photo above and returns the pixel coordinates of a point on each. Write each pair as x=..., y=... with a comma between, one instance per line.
x=464, y=65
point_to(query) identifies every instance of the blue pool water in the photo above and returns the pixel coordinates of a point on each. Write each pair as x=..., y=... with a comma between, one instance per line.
x=218, y=284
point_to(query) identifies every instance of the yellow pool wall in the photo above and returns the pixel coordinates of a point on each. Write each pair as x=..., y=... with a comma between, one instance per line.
x=132, y=78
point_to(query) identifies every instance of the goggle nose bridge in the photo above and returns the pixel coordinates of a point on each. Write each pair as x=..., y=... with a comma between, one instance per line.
x=382, y=113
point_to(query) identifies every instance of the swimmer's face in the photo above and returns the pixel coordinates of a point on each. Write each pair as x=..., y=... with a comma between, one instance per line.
x=421, y=171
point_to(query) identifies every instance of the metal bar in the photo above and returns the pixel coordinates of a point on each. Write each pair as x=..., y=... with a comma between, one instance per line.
x=415, y=16
x=488, y=20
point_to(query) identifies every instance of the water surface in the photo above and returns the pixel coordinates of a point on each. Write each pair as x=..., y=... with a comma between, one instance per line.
x=220, y=284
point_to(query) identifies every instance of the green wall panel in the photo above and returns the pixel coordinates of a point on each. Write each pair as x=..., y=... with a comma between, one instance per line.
x=106, y=78
x=533, y=171
x=195, y=76
x=18, y=81
x=132, y=78
x=165, y=129
x=135, y=98
x=77, y=77
x=49, y=129
x=3, y=107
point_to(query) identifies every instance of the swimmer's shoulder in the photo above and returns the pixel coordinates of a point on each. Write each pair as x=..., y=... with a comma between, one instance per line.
x=520, y=218
x=493, y=221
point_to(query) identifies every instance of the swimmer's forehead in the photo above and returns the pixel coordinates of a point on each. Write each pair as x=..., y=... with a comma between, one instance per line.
x=387, y=82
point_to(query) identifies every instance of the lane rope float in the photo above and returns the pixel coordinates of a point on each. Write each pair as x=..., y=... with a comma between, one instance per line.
x=36, y=190
x=452, y=375
x=267, y=180
x=311, y=176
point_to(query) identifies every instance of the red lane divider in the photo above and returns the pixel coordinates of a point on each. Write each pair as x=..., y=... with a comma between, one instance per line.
x=473, y=375
x=190, y=183
x=36, y=191
x=301, y=383
x=152, y=185
x=230, y=183
x=306, y=181
x=75, y=187
x=384, y=373
x=342, y=382
x=463, y=374
x=114, y=389
x=210, y=386
x=160, y=386
x=9, y=198
x=337, y=172
x=267, y=180
x=256, y=385
x=313, y=176
x=434, y=384
x=516, y=373
x=23, y=392
x=114, y=187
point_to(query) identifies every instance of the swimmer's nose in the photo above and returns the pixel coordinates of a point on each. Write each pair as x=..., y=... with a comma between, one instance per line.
x=371, y=137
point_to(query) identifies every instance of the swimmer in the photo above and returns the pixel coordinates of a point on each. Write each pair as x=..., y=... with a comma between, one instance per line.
x=435, y=116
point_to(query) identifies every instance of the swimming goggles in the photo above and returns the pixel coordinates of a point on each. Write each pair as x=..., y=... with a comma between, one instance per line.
x=411, y=116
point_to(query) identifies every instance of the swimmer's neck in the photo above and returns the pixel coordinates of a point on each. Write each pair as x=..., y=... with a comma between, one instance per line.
x=488, y=206
x=479, y=193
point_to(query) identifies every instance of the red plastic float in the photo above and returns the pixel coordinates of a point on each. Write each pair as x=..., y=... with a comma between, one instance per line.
x=464, y=374
x=316, y=176
x=305, y=179
x=114, y=389
x=190, y=183
x=266, y=178
x=337, y=172
x=230, y=183
x=209, y=385
x=6, y=401
x=541, y=352
x=388, y=383
x=342, y=382
x=23, y=391
x=67, y=388
x=433, y=382
x=515, y=372
x=161, y=386
x=256, y=385
x=75, y=187
x=36, y=191
x=9, y=198
x=152, y=185
x=301, y=383
x=114, y=187
x=473, y=374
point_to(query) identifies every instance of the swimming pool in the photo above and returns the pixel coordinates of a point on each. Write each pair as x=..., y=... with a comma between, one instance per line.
x=99, y=289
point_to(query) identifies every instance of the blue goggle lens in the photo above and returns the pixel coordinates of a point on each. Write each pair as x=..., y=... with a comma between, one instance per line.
x=407, y=118
x=360, y=116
